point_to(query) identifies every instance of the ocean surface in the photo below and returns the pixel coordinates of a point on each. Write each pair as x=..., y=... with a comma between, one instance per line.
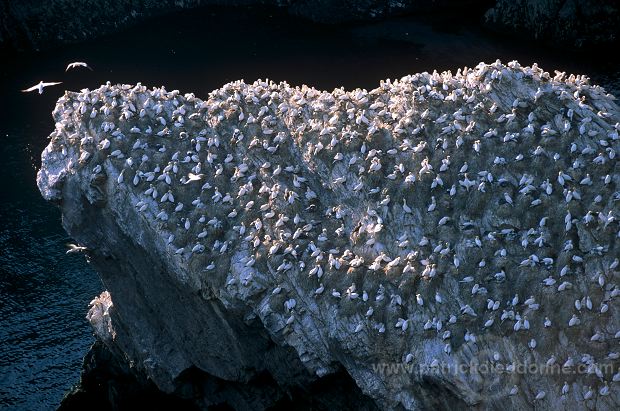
x=44, y=293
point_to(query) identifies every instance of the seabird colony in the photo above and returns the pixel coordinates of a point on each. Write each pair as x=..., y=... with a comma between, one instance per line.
x=419, y=220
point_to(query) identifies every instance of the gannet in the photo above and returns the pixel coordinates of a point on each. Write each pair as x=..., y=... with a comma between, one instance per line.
x=193, y=177
x=73, y=248
x=77, y=64
x=40, y=86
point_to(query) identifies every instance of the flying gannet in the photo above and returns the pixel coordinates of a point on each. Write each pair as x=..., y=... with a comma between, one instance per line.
x=40, y=86
x=74, y=249
x=78, y=64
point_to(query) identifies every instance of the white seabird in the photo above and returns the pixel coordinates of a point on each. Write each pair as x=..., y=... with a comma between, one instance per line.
x=74, y=249
x=40, y=86
x=78, y=64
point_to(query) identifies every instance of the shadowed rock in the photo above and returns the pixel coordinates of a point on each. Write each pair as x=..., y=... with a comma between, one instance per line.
x=570, y=23
x=432, y=237
x=40, y=24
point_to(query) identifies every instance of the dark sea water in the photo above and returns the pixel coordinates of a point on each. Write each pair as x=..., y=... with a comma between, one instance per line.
x=44, y=293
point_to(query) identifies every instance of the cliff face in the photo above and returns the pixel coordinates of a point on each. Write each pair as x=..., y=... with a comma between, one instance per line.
x=42, y=24
x=431, y=237
x=576, y=23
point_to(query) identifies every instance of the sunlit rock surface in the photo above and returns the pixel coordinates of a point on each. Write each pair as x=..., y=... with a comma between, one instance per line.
x=404, y=234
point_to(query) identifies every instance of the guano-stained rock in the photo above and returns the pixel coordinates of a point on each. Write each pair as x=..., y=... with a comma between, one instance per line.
x=404, y=234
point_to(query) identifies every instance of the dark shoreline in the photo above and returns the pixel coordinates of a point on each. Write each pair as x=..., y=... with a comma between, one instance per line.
x=571, y=25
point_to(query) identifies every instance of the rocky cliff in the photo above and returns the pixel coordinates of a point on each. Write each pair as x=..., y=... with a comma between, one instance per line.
x=446, y=239
x=573, y=23
x=42, y=24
